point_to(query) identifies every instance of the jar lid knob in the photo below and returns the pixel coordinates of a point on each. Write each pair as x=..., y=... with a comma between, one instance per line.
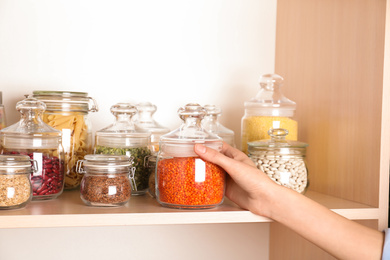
x=192, y=110
x=278, y=133
x=123, y=108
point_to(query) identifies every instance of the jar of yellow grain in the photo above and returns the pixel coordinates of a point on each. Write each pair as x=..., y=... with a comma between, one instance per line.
x=269, y=109
x=68, y=112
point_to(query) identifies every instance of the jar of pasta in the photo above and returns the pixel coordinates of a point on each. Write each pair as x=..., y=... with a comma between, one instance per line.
x=183, y=179
x=15, y=185
x=282, y=160
x=68, y=112
x=106, y=180
x=41, y=143
x=122, y=138
x=211, y=123
x=146, y=121
x=269, y=109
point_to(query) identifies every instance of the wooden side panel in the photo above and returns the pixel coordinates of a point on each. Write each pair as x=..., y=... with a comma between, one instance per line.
x=330, y=53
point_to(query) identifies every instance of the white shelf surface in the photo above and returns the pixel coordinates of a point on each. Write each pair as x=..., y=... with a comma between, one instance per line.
x=69, y=211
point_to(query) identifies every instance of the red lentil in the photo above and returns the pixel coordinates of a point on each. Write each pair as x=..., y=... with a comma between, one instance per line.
x=177, y=186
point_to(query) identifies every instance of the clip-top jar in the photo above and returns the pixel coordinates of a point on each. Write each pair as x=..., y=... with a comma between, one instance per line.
x=210, y=123
x=282, y=160
x=122, y=138
x=15, y=185
x=42, y=143
x=269, y=109
x=145, y=121
x=183, y=180
x=68, y=112
x=106, y=180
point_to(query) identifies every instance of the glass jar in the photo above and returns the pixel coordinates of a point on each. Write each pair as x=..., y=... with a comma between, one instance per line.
x=15, y=185
x=269, y=109
x=121, y=138
x=106, y=181
x=210, y=123
x=42, y=143
x=183, y=180
x=145, y=121
x=151, y=163
x=2, y=112
x=282, y=160
x=68, y=112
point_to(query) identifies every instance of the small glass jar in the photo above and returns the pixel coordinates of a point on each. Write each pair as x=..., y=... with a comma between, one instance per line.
x=151, y=163
x=15, y=185
x=269, y=109
x=183, y=179
x=106, y=181
x=282, y=160
x=145, y=121
x=42, y=143
x=68, y=112
x=122, y=138
x=210, y=123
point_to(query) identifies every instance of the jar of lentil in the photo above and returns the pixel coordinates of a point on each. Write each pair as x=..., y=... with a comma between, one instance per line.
x=106, y=181
x=122, y=138
x=68, y=112
x=15, y=185
x=183, y=180
x=146, y=121
x=211, y=123
x=42, y=143
x=269, y=109
x=282, y=160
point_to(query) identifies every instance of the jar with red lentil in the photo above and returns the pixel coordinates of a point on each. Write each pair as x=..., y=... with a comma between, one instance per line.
x=269, y=109
x=106, y=180
x=183, y=180
x=146, y=121
x=67, y=111
x=122, y=138
x=211, y=123
x=42, y=143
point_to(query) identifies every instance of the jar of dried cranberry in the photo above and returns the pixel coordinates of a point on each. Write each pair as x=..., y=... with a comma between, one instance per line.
x=183, y=180
x=107, y=179
x=15, y=185
x=42, y=143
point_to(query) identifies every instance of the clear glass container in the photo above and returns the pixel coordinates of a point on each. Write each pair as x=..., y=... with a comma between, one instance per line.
x=68, y=112
x=106, y=181
x=146, y=121
x=183, y=180
x=42, y=143
x=269, y=109
x=151, y=163
x=210, y=123
x=282, y=160
x=122, y=138
x=15, y=185
x=3, y=121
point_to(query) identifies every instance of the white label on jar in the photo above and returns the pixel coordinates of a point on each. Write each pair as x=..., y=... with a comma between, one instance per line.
x=285, y=177
x=200, y=170
x=10, y=192
x=38, y=158
x=111, y=190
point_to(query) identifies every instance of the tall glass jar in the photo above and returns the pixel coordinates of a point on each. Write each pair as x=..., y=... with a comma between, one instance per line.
x=146, y=121
x=106, y=180
x=282, y=160
x=15, y=185
x=68, y=112
x=210, y=123
x=42, y=143
x=121, y=138
x=269, y=109
x=183, y=180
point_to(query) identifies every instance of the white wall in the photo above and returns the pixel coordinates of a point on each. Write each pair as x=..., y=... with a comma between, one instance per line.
x=164, y=51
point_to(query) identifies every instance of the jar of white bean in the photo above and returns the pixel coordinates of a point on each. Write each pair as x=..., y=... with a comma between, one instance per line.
x=282, y=160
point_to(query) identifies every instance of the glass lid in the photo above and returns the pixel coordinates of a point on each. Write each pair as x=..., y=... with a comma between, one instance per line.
x=278, y=140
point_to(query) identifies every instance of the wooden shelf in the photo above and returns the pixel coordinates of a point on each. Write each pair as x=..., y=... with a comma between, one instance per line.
x=69, y=211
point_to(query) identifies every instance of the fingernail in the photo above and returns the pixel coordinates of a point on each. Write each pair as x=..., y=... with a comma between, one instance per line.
x=200, y=148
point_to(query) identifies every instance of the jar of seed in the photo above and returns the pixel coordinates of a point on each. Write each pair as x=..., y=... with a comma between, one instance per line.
x=269, y=109
x=122, y=138
x=15, y=185
x=106, y=181
x=282, y=160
